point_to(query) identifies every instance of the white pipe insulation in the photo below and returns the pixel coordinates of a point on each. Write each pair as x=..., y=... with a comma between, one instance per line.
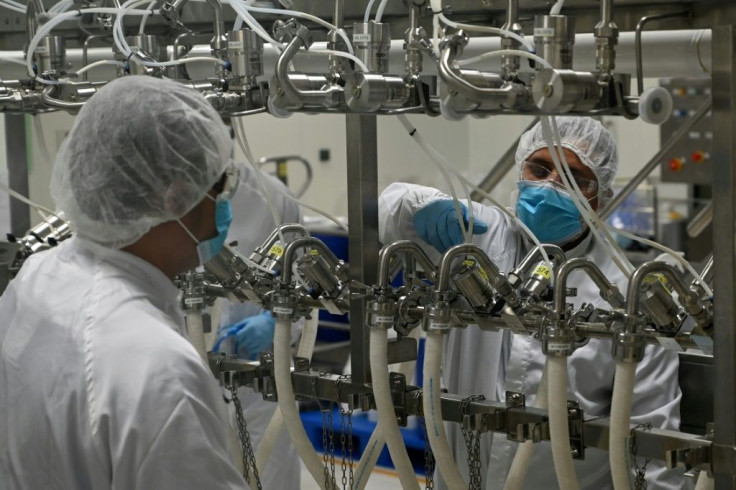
x=681, y=53
x=623, y=390
x=195, y=332
x=276, y=425
x=285, y=390
x=385, y=406
x=525, y=451
x=432, y=403
x=376, y=442
x=705, y=482
x=559, y=432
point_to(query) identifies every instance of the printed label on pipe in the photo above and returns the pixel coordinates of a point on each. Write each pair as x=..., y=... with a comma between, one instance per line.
x=440, y=326
x=382, y=319
x=193, y=301
x=277, y=249
x=544, y=31
x=235, y=45
x=361, y=38
x=282, y=310
x=543, y=270
x=558, y=346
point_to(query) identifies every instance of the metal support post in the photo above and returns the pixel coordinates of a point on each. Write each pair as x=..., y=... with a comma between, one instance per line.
x=362, y=152
x=724, y=253
x=17, y=158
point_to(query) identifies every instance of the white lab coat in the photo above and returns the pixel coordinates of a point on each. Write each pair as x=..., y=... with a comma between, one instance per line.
x=99, y=387
x=252, y=224
x=507, y=361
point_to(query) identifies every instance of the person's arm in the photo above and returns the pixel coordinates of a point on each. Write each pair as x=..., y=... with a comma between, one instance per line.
x=189, y=452
x=656, y=401
x=397, y=205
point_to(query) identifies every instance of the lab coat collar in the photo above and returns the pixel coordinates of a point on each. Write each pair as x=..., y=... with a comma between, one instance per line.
x=579, y=250
x=162, y=292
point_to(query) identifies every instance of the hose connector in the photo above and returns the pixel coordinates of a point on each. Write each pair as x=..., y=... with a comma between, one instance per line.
x=558, y=341
x=193, y=297
x=283, y=305
x=438, y=318
x=628, y=346
x=381, y=313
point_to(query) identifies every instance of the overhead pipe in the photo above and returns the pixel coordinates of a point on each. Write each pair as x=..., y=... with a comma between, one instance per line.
x=672, y=53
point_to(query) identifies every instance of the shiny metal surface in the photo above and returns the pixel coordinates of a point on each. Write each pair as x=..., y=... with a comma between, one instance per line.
x=362, y=157
x=372, y=42
x=554, y=37
x=724, y=254
x=245, y=52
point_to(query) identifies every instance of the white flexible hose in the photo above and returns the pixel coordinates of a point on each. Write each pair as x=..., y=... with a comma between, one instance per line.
x=525, y=451
x=442, y=163
x=380, y=10
x=558, y=430
x=623, y=388
x=276, y=425
x=385, y=407
x=285, y=390
x=431, y=402
x=705, y=482
x=376, y=442
x=195, y=331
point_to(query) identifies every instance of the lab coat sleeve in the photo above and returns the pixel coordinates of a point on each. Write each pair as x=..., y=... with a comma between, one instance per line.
x=656, y=401
x=189, y=451
x=397, y=205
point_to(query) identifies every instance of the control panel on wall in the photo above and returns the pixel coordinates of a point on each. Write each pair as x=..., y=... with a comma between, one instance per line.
x=689, y=161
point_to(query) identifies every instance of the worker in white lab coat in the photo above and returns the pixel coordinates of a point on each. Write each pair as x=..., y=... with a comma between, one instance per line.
x=247, y=330
x=490, y=363
x=100, y=387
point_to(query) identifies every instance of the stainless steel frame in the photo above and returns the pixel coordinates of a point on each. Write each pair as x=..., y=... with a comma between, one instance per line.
x=362, y=140
x=724, y=253
x=17, y=158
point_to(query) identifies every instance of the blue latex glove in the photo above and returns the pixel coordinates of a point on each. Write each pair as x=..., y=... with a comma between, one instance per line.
x=252, y=335
x=437, y=224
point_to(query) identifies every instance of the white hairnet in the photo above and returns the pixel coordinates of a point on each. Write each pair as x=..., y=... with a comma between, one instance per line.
x=588, y=139
x=142, y=151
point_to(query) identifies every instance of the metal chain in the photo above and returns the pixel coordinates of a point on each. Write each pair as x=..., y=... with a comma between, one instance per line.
x=428, y=459
x=350, y=446
x=331, y=433
x=640, y=482
x=323, y=411
x=472, y=443
x=343, y=462
x=249, y=458
x=346, y=413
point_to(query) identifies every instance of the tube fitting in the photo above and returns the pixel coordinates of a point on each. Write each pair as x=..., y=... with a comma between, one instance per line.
x=437, y=318
x=381, y=313
x=628, y=346
x=283, y=305
x=193, y=297
x=558, y=341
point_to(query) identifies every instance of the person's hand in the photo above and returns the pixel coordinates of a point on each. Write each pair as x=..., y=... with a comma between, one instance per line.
x=252, y=335
x=437, y=224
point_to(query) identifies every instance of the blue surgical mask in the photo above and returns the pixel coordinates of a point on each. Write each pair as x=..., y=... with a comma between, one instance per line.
x=549, y=212
x=208, y=249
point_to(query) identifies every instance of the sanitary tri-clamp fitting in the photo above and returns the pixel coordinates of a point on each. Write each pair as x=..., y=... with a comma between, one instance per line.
x=284, y=304
x=559, y=339
x=282, y=85
x=381, y=313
